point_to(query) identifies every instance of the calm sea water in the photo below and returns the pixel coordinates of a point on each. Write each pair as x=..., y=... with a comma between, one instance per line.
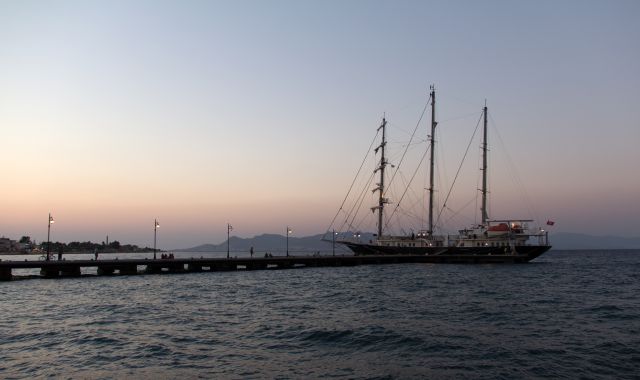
x=572, y=314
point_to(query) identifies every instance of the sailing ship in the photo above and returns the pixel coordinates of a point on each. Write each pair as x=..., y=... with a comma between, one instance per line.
x=490, y=241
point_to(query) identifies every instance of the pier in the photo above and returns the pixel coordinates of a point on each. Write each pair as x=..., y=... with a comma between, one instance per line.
x=128, y=267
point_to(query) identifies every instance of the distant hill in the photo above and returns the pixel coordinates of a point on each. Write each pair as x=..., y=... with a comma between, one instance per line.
x=566, y=240
x=270, y=243
x=277, y=243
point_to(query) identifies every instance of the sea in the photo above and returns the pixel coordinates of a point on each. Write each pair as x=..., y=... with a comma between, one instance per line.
x=567, y=314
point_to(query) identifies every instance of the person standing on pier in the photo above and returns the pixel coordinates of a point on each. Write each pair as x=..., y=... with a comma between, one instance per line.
x=60, y=253
x=251, y=252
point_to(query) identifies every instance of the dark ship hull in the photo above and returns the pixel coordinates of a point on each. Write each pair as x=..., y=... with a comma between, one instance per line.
x=470, y=255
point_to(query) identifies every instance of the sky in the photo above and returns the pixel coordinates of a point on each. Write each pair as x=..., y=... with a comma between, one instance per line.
x=258, y=113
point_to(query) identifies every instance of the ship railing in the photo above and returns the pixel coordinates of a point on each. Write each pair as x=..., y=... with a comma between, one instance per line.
x=540, y=238
x=411, y=241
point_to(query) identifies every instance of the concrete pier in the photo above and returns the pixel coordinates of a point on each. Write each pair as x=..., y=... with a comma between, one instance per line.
x=128, y=267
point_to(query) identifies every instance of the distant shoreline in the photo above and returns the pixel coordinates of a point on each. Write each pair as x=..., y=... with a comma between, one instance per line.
x=592, y=249
x=75, y=253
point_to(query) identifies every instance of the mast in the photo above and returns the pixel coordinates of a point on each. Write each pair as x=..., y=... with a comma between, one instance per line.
x=431, y=170
x=483, y=210
x=380, y=188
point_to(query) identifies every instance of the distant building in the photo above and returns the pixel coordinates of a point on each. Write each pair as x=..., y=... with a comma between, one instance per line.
x=25, y=247
x=6, y=244
x=13, y=246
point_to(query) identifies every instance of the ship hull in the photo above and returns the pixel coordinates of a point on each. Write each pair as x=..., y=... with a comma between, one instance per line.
x=460, y=255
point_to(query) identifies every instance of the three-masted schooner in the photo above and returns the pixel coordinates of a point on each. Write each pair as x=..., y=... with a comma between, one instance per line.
x=489, y=241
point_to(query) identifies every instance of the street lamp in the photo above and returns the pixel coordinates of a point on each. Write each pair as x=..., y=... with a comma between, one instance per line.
x=50, y=222
x=288, y=233
x=155, y=232
x=229, y=229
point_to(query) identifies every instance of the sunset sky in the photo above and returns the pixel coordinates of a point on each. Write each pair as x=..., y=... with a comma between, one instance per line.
x=258, y=113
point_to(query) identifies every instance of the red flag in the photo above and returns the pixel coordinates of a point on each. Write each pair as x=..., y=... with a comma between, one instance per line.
x=550, y=222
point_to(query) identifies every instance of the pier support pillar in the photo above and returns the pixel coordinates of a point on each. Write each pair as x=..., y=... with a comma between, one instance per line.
x=105, y=271
x=53, y=272
x=153, y=269
x=194, y=268
x=128, y=269
x=176, y=268
x=5, y=274
x=223, y=267
x=70, y=271
x=256, y=266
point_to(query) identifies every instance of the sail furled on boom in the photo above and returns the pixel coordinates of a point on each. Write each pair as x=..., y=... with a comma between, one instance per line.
x=380, y=189
x=483, y=209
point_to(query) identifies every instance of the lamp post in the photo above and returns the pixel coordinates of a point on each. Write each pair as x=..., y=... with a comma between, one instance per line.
x=288, y=233
x=155, y=232
x=229, y=229
x=50, y=222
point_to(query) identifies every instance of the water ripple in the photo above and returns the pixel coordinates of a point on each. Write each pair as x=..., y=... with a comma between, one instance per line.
x=569, y=315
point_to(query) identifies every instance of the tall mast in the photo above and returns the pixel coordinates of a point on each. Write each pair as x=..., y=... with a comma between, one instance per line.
x=431, y=170
x=380, y=188
x=483, y=210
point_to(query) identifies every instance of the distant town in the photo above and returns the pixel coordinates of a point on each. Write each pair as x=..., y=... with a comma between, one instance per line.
x=27, y=246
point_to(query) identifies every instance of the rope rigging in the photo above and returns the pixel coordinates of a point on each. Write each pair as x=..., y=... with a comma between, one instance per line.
x=408, y=145
x=458, y=172
x=513, y=172
x=354, y=181
x=408, y=185
x=358, y=205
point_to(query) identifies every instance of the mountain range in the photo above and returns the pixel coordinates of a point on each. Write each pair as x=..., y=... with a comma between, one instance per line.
x=567, y=240
x=274, y=243
x=271, y=243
